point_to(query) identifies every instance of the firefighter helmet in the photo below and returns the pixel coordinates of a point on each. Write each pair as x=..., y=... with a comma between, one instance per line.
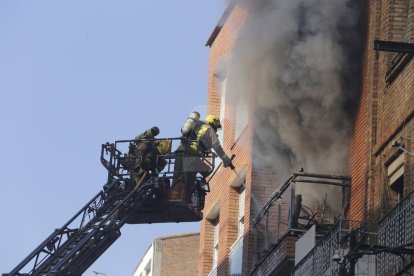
x=149, y=133
x=154, y=131
x=214, y=121
x=164, y=146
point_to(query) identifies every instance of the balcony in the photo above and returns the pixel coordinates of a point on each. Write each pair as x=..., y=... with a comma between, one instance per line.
x=396, y=230
x=355, y=248
x=288, y=214
x=331, y=255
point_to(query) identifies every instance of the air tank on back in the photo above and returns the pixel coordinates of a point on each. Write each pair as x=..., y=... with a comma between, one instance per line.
x=189, y=123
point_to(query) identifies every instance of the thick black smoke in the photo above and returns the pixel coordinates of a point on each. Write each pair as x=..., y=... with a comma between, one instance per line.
x=297, y=63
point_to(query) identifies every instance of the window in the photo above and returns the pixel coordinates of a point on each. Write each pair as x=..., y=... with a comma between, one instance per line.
x=236, y=250
x=214, y=218
x=395, y=174
x=242, y=116
x=215, y=242
x=240, y=220
x=147, y=269
x=223, y=88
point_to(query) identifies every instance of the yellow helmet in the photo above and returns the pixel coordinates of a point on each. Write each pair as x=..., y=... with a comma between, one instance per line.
x=213, y=120
x=164, y=146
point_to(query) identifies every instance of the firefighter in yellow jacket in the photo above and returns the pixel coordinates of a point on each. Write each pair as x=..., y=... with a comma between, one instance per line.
x=201, y=138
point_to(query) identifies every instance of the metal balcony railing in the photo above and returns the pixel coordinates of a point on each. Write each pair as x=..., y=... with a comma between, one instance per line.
x=395, y=230
x=291, y=207
x=328, y=257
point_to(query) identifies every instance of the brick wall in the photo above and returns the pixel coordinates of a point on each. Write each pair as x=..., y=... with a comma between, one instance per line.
x=222, y=194
x=364, y=124
x=259, y=183
x=385, y=110
x=263, y=184
x=179, y=255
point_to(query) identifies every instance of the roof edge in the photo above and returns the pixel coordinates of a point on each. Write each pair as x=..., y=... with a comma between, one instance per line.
x=221, y=23
x=178, y=236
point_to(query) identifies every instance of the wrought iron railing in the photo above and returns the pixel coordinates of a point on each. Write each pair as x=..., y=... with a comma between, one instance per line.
x=284, y=211
x=396, y=229
x=329, y=257
x=319, y=260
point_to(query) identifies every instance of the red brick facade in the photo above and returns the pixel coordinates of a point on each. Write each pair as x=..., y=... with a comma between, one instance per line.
x=222, y=196
x=385, y=112
x=178, y=256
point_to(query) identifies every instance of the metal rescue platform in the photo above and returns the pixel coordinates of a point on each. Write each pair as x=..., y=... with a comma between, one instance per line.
x=73, y=248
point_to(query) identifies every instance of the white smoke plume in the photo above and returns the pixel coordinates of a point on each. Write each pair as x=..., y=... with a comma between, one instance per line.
x=297, y=64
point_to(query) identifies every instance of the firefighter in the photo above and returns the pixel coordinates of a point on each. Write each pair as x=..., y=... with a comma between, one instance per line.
x=201, y=138
x=156, y=158
x=138, y=149
x=153, y=160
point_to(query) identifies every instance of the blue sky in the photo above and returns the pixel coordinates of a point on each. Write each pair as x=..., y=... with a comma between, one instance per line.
x=76, y=74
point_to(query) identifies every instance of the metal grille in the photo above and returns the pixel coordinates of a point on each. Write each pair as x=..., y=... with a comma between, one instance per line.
x=319, y=260
x=396, y=229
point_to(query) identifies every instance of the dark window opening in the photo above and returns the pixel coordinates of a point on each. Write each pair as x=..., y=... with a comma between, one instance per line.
x=398, y=187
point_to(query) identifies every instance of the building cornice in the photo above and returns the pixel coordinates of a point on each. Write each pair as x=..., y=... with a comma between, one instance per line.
x=221, y=23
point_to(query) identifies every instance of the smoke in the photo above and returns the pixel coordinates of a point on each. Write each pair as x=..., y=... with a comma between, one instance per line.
x=297, y=64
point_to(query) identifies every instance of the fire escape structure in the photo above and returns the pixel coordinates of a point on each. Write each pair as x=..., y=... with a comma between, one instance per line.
x=73, y=248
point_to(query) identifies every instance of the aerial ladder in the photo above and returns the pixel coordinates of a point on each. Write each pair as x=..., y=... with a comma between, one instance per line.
x=73, y=248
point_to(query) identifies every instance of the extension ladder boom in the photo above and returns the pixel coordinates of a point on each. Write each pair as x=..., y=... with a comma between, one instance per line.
x=73, y=248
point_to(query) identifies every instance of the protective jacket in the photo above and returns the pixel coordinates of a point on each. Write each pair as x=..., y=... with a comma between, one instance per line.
x=204, y=138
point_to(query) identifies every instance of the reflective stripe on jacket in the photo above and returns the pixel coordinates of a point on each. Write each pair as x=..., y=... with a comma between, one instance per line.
x=205, y=136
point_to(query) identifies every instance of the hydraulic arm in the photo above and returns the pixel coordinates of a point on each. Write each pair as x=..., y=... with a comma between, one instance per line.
x=73, y=248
